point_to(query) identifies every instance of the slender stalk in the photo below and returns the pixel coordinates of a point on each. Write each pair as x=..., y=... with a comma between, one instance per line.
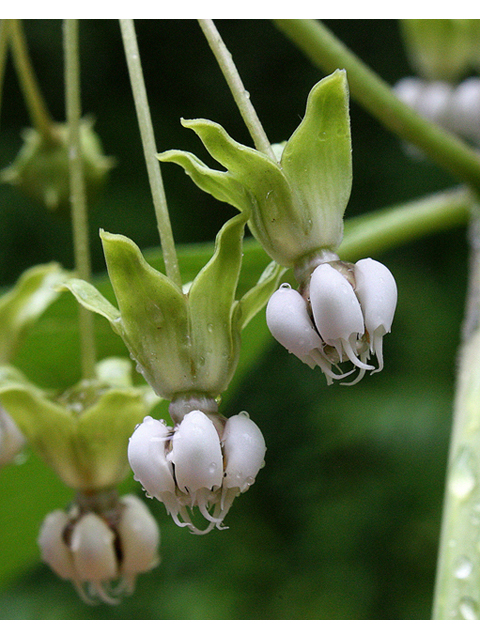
x=149, y=147
x=240, y=95
x=388, y=228
x=77, y=190
x=38, y=110
x=457, y=590
x=3, y=53
x=329, y=53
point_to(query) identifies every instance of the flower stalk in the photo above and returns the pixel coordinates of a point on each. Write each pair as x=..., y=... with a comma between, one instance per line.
x=240, y=95
x=77, y=190
x=149, y=147
x=38, y=110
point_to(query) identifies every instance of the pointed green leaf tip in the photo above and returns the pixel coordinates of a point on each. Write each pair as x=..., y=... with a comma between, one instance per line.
x=295, y=206
x=20, y=307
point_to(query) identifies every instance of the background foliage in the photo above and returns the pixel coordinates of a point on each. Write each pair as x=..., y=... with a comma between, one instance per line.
x=343, y=521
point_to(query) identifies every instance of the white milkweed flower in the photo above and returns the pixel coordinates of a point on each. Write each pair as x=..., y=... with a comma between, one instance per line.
x=343, y=315
x=101, y=553
x=196, y=465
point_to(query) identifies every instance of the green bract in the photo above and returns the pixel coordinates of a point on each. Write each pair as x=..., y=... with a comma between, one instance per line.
x=427, y=42
x=82, y=433
x=295, y=205
x=41, y=168
x=24, y=303
x=183, y=341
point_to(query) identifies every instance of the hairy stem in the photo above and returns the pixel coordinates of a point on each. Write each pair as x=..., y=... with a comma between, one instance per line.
x=77, y=190
x=329, y=53
x=38, y=110
x=149, y=147
x=240, y=95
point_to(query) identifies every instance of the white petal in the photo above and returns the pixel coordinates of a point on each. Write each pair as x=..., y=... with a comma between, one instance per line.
x=147, y=458
x=139, y=537
x=93, y=549
x=336, y=310
x=54, y=550
x=196, y=453
x=290, y=324
x=244, y=448
x=377, y=291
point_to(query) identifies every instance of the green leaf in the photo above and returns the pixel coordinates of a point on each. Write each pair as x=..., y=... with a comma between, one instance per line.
x=153, y=315
x=92, y=299
x=24, y=304
x=220, y=184
x=317, y=158
x=215, y=340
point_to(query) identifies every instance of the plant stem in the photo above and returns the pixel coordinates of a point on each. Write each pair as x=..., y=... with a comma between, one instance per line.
x=3, y=53
x=457, y=590
x=388, y=228
x=38, y=110
x=375, y=95
x=149, y=147
x=77, y=190
x=240, y=95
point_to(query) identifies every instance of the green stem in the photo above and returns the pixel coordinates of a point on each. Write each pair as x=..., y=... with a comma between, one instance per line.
x=149, y=147
x=375, y=95
x=77, y=190
x=388, y=228
x=38, y=110
x=3, y=53
x=240, y=95
x=457, y=590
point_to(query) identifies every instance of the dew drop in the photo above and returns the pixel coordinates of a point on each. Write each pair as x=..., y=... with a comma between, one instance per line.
x=244, y=413
x=463, y=480
x=464, y=568
x=285, y=285
x=468, y=609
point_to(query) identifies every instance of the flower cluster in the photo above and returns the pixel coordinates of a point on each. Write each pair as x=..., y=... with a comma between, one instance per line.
x=205, y=461
x=343, y=314
x=101, y=551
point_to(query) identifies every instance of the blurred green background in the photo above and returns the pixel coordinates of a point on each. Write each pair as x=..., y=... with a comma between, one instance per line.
x=343, y=521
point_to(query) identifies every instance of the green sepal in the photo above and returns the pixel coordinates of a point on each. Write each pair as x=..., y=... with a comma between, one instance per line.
x=257, y=297
x=296, y=205
x=41, y=168
x=427, y=40
x=82, y=433
x=24, y=303
x=317, y=158
x=154, y=317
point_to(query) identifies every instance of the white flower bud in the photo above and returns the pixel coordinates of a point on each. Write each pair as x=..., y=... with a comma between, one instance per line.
x=351, y=309
x=54, y=550
x=93, y=550
x=337, y=312
x=196, y=453
x=289, y=323
x=139, y=539
x=148, y=459
x=12, y=440
x=377, y=291
x=244, y=449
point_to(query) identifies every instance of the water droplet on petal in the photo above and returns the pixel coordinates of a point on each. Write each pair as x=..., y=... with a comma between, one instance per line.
x=464, y=568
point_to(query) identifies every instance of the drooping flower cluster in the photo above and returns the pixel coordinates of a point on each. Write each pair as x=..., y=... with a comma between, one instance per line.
x=342, y=315
x=101, y=551
x=205, y=461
